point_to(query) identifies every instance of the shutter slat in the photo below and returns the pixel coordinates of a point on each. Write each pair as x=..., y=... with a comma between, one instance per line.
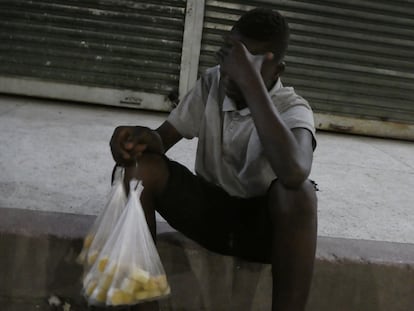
x=132, y=45
x=350, y=58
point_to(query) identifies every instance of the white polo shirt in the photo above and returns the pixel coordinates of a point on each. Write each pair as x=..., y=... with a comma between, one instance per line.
x=229, y=152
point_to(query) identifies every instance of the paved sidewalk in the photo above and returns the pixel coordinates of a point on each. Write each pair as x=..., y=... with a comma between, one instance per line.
x=55, y=157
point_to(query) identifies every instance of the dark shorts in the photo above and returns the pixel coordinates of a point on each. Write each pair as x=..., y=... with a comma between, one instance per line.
x=208, y=215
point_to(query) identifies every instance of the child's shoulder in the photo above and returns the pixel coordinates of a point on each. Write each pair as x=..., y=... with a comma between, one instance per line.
x=286, y=98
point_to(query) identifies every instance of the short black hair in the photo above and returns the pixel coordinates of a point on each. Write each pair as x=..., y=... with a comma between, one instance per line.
x=264, y=24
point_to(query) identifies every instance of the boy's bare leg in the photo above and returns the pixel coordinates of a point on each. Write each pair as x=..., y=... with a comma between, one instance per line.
x=153, y=172
x=294, y=217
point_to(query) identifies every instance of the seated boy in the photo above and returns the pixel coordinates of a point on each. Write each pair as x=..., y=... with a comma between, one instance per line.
x=250, y=196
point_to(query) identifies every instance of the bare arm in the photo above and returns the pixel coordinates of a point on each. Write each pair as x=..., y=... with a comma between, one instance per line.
x=289, y=152
x=169, y=135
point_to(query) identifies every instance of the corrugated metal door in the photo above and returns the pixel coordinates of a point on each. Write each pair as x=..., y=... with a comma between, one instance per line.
x=352, y=60
x=90, y=50
x=348, y=58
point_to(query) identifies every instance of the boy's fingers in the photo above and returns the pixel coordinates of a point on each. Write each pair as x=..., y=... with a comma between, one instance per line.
x=121, y=156
x=129, y=145
x=131, y=141
x=137, y=151
x=140, y=148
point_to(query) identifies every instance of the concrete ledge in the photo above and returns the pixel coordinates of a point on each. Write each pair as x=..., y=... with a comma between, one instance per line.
x=38, y=251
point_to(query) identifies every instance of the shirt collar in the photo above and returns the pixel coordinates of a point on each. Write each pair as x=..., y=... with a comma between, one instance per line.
x=230, y=105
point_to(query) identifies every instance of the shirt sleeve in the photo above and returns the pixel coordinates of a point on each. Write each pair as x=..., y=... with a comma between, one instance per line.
x=297, y=113
x=299, y=116
x=188, y=115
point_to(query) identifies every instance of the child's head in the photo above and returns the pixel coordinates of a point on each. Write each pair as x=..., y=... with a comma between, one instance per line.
x=265, y=25
x=261, y=31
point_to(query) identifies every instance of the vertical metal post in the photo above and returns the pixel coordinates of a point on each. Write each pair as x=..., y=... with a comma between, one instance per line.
x=193, y=30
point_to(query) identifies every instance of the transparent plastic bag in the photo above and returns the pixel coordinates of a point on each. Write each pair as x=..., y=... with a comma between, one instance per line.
x=128, y=270
x=105, y=222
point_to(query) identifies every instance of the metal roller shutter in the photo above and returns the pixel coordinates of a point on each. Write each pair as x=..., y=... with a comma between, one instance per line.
x=350, y=59
x=99, y=44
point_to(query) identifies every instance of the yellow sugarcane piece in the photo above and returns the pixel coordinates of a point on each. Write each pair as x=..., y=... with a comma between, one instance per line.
x=112, y=269
x=154, y=293
x=151, y=285
x=88, y=241
x=167, y=291
x=116, y=297
x=92, y=258
x=128, y=298
x=102, y=264
x=140, y=275
x=81, y=257
x=138, y=286
x=130, y=286
x=161, y=282
x=105, y=282
x=100, y=295
x=141, y=295
x=119, y=297
x=86, y=279
x=91, y=287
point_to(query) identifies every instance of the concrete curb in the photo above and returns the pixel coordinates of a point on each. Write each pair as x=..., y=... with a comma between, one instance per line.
x=38, y=250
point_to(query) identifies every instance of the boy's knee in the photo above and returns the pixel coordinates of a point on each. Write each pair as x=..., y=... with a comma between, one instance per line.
x=301, y=201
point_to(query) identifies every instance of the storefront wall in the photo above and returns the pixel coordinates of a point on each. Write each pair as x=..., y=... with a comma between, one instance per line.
x=351, y=60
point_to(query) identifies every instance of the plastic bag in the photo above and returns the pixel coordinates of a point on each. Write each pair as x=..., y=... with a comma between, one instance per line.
x=128, y=270
x=106, y=221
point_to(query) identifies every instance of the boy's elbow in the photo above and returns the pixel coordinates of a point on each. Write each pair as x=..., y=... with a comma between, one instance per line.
x=292, y=183
x=294, y=179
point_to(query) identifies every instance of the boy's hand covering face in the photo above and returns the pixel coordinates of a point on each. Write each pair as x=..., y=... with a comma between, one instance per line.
x=237, y=62
x=235, y=59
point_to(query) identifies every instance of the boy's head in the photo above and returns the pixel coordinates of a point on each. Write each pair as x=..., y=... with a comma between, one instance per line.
x=265, y=26
x=261, y=31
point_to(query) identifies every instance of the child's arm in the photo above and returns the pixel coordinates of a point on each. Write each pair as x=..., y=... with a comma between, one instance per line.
x=289, y=152
x=128, y=143
x=169, y=135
